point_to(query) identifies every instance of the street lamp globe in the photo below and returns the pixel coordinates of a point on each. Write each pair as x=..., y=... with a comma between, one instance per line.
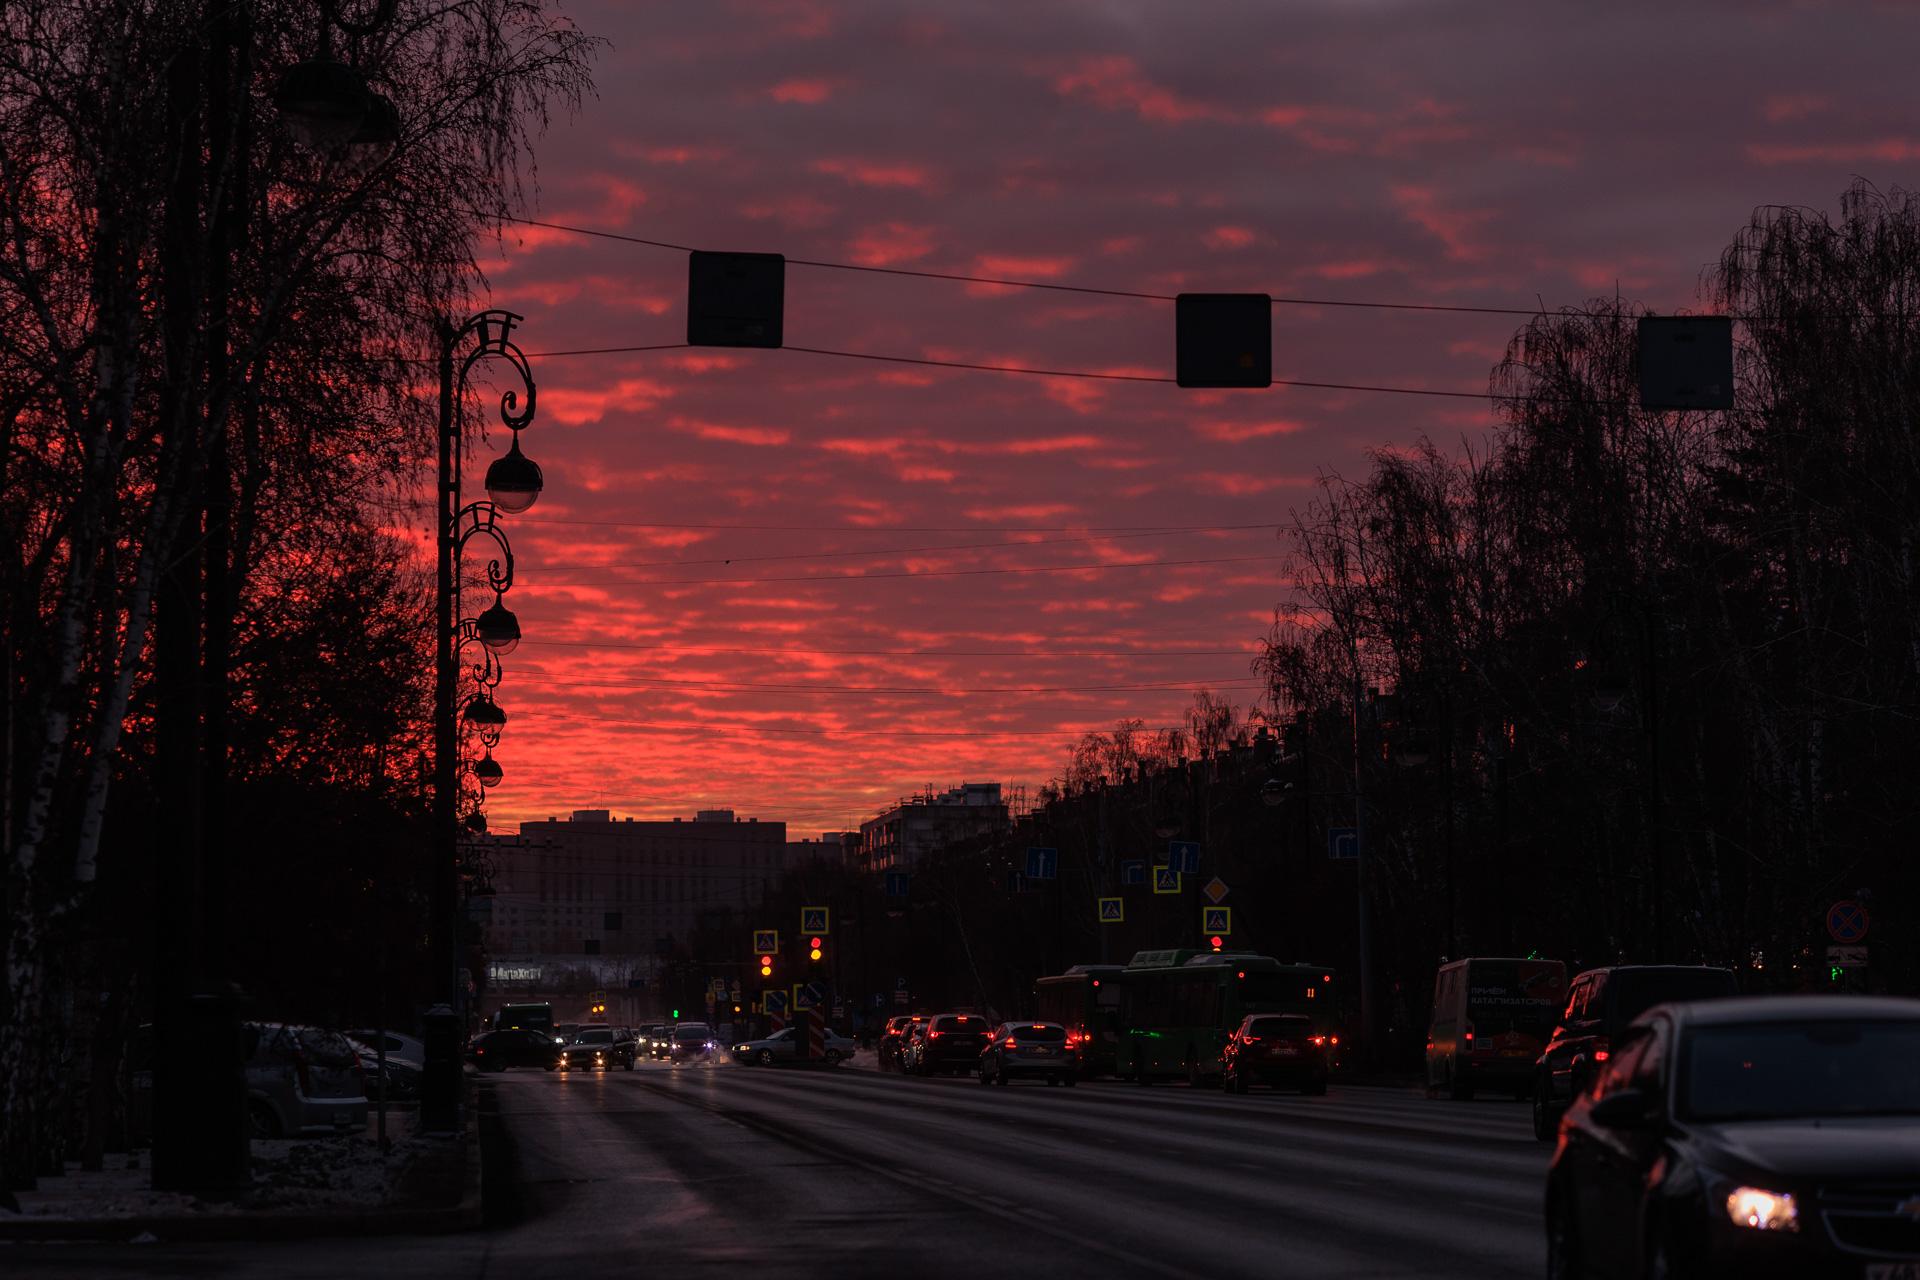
x=487, y=771
x=323, y=102
x=483, y=712
x=477, y=821
x=1273, y=792
x=514, y=480
x=498, y=629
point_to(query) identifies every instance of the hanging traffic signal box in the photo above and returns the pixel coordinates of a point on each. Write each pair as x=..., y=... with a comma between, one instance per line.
x=1223, y=340
x=816, y=949
x=766, y=965
x=735, y=299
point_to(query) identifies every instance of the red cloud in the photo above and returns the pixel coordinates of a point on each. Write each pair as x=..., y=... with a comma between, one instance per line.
x=877, y=173
x=1228, y=238
x=811, y=92
x=1781, y=107
x=1886, y=150
x=1453, y=228
x=1240, y=432
x=1115, y=82
x=891, y=244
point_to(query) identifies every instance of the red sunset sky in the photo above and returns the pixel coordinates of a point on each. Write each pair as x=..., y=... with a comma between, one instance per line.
x=702, y=501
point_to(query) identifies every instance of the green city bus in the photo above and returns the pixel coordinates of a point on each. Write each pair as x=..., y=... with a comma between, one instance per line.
x=1086, y=1001
x=1178, y=1007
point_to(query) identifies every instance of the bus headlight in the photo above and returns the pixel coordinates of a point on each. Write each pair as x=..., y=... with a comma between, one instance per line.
x=1763, y=1210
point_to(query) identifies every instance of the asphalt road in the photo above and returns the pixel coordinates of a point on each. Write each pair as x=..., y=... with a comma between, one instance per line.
x=846, y=1173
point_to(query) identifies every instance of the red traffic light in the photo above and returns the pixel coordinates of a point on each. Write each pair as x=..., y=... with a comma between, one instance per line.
x=765, y=961
x=814, y=943
x=1215, y=940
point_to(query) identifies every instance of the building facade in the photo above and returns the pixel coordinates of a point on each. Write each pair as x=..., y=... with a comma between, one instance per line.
x=898, y=837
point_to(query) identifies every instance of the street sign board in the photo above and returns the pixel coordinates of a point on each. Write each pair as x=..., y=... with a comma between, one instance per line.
x=1216, y=890
x=1043, y=863
x=1343, y=842
x=1133, y=872
x=803, y=997
x=774, y=1001
x=1847, y=921
x=1216, y=919
x=1016, y=882
x=1113, y=910
x=897, y=883
x=1166, y=880
x=815, y=920
x=1184, y=856
x=1847, y=957
x=766, y=941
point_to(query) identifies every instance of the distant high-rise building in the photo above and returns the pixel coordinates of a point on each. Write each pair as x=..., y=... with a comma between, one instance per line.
x=899, y=836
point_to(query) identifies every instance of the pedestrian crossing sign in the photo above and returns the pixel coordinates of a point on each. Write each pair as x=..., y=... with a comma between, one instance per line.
x=1112, y=911
x=803, y=996
x=814, y=920
x=765, y=941
x=1166, y=880
x=1216, y=919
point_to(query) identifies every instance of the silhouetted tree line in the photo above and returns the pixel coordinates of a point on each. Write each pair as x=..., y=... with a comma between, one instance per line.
x=216, y=635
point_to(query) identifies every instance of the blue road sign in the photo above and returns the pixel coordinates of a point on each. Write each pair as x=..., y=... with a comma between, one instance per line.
x=900, y=984
x=1166, y=880
x=1184, y=856
x=766, y=940
x=1016, y=882
x=897, y=882
x=814, y=919
x=1847, y=921
x=818, y=991
x=1216, y=919
x=1132, y=872
x=1042, y=863
x=774, y=1002
x=804, y=996
x=1112, y=911
x=1343, y=842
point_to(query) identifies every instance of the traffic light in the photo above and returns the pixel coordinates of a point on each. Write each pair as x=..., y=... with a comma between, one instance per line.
x=599, y=1009
x=766, y=966
x=814, y=952
x=1216, y=941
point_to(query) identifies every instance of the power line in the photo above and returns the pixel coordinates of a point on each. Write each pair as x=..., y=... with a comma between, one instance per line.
x=654, y=683
x=841, y=555
x=903, y=528
x=711, y=727
x=957, y=277
x=903, y=573
x=902, y=653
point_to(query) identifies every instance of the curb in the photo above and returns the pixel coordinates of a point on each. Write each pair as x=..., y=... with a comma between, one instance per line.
x=270, y=1226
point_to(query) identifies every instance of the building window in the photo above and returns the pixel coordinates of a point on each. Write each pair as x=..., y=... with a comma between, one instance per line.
x=592, y=946
x=611, y=924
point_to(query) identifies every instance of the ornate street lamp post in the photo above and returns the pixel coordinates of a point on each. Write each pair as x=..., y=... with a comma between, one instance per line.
x=514, y=483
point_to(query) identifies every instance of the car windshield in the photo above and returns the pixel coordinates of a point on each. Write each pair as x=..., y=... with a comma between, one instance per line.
x=691, y=1031
x=1637, y=990
x=1819, y=1068
x=1514, y=995
x=1273, y=1028
x=600, y=1035
x=961, y=1025
x=1039, y=1035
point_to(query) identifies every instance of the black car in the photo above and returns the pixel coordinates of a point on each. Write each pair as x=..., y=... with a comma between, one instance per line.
x=1749, y=1137
x=1600, y=1003
x=952, y=1043
x=1282, y=1050
x=517, y=1047
x=598, y=1049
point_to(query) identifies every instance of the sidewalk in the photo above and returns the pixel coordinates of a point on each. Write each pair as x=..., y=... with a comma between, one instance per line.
x=323, y=1186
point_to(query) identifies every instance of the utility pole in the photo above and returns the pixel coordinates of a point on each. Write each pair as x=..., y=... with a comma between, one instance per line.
x=1362, y=933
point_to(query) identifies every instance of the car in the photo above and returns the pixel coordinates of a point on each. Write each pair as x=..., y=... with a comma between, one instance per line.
x=1280, y=1050
x=302, y=1079
x=1492, y=1017
x=948, y=1043
x=564, y=1032
x=398, y=1045
x=1039, y=1050
x=1755, y=1136
x=598, y=1048
x=515, y=1047
x=690, y=1041
x=402, y=1078
x=893, y=1039
x=648, y=1036
x=1600, y=1002
x=780, y=1047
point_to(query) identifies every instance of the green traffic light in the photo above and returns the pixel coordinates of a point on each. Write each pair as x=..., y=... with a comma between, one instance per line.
x=676, y=1013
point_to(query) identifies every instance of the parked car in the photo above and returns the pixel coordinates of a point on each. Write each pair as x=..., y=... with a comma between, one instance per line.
x=951, y=1042
x=893, y=1040
x=1039, y=1050
x=1746, y=1137
x=1600, y=1004
x=690, y=1041
x=1492, y=1016
x=1280, y=1050
x=302, y=1080
x=515, y=1047
x=598, y=1049
x=403, y=1075
x=398, y=1046
x=781, y=1047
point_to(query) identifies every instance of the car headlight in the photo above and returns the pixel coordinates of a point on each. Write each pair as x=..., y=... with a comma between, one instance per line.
x=1763, y=1210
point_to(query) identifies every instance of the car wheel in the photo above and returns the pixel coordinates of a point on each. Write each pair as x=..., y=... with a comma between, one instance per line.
x=261, y=1120
x=764, y=1057
x=1545, y=1122
x=831, y=1057
x=1563, y=1241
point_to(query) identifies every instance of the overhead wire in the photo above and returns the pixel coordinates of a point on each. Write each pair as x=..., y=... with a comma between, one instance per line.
x=1238, y=680
x=904, y=573
x=897, y=653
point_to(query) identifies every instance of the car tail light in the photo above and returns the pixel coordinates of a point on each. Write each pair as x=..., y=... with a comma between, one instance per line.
x=935, y=1035
x=1600, y=1055
x=478, y=1050
x=1251, y=1040
x=1333, y=1039
x=1321, y=1040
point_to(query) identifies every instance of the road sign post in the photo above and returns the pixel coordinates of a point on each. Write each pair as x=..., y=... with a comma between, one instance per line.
x=1343, y=844
x=1166, y=880
x=1847, y=922
x=1133, y=872
x=815, y=920
x=1113, y=910
x=1216, y=920
x=1043, y=863
x=765, y=940
x=1184, y=856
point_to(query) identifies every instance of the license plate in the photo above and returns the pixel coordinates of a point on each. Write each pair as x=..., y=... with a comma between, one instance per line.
x=1040, y=1053
x=1285, y=1051
x=343, y=1117
x=1893, y=1271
